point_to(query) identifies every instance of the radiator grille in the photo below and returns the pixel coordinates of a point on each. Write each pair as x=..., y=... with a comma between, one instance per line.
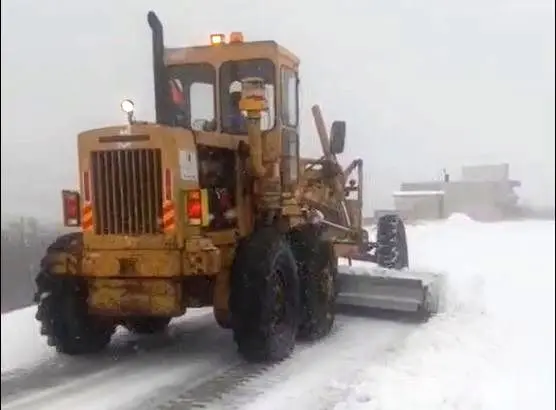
x=127, y=191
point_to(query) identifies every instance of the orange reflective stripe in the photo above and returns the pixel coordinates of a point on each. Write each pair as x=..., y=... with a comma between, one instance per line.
x=168, y=216
x=87, y=219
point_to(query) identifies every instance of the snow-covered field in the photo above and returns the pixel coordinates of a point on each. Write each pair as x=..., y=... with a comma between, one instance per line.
x=492, y=348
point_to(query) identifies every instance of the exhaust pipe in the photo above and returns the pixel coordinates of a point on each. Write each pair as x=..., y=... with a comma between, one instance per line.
x=161, y=88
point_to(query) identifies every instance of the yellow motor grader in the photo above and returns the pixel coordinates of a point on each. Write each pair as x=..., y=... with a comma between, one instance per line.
x=212, y=205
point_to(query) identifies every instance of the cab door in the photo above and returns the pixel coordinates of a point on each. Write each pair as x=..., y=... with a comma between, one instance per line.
x=289, y=119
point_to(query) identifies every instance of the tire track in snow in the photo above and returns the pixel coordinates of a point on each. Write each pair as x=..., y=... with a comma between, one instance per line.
x=124, y=346
x=202, y=394
x=203, y=370
x=197, y=346
x=306, y=380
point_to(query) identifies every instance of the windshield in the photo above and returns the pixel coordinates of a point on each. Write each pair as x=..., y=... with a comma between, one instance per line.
x=191, y=89
x=231, y=73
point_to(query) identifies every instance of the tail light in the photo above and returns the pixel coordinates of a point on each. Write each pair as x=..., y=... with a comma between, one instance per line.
x=71, y=203
x=194, y=207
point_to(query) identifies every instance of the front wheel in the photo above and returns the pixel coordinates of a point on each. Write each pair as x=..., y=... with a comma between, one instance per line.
x=391, y=249
x=264, y=297
x=318, y=272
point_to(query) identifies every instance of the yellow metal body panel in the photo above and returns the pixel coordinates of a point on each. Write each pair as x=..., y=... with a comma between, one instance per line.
x=139, y=263
x=148, y=297
x=131, y=243
x=201, y=257
x=222, y=284
x=216, y=55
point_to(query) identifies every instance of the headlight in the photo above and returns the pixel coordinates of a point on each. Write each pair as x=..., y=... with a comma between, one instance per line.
x=127, y=106
x=216, y=39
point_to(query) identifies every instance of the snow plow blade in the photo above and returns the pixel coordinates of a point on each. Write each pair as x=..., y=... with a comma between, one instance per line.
x=390, y=290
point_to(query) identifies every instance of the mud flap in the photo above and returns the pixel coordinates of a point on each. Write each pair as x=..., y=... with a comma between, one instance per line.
x=389, y=289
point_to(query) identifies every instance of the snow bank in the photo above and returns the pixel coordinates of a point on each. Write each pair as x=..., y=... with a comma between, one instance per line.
x=21, y=344
x=493, y=348
x=459, y=219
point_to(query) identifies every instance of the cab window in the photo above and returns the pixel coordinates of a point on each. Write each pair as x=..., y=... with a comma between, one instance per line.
x=192, y=96
x=290, y=97
x=231, y=74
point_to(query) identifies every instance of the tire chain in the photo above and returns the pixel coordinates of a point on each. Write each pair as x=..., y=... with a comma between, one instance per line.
x=391, y=237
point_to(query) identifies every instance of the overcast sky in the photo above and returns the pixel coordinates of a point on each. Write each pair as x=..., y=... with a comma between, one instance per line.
x=423, y=85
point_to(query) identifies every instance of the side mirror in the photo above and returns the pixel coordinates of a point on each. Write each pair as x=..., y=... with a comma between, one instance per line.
x=337, y=137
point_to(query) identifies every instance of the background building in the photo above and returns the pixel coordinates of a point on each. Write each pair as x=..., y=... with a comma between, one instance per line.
x=484, y=192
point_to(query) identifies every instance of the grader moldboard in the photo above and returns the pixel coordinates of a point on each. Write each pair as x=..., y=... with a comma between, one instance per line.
x=212, y=206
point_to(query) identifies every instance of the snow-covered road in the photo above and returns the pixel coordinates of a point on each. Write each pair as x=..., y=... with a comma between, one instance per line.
x=493, y=348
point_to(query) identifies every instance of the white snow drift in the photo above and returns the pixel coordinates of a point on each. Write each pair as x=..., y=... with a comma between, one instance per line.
x=492, y=348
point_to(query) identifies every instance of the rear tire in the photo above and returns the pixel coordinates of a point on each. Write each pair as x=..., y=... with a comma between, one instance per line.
x=62, y=305
x=148, y=325
x=391, y=250
x=264, y=297
x=318, y=272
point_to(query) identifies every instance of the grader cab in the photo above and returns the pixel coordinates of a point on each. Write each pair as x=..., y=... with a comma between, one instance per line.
x=212, y=205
